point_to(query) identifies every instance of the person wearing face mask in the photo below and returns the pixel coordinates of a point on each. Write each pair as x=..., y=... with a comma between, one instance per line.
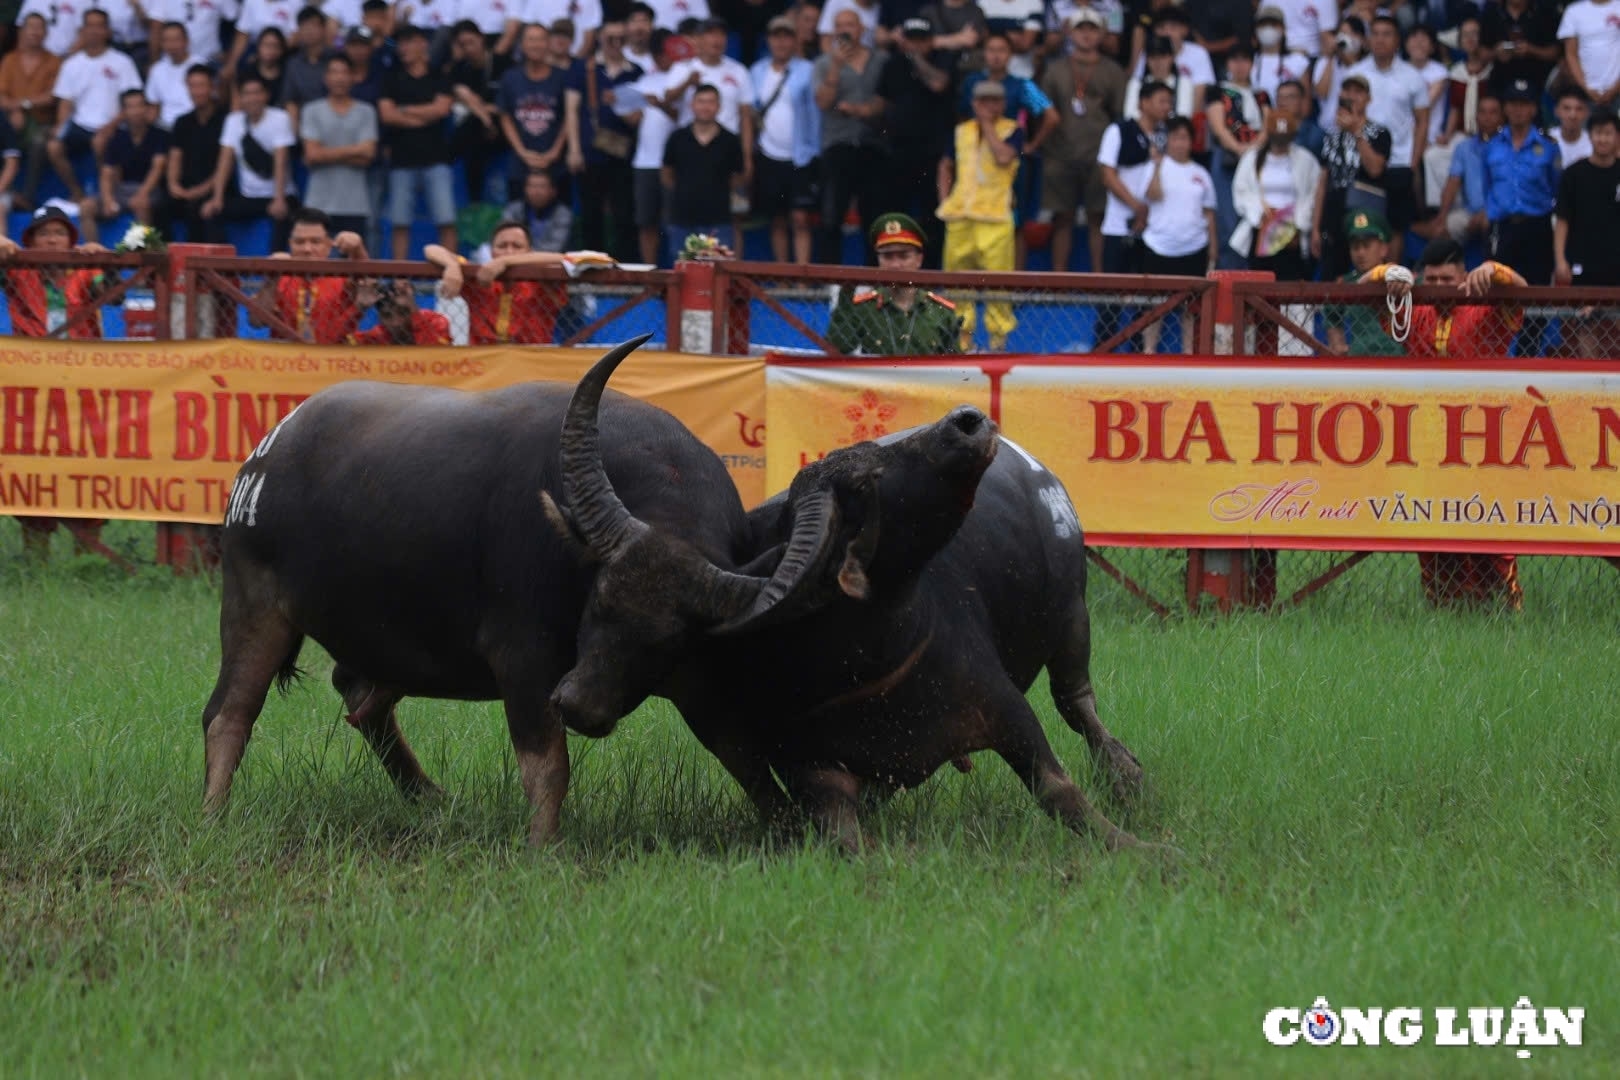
x=1328, y=72
x=1274, y=193
x=1273, y=64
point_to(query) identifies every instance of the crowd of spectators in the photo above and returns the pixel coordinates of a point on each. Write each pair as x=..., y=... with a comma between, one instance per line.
x=1225, y=134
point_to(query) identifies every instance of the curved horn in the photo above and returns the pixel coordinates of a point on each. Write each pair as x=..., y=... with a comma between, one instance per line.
x=784, y=593
x=602, y=519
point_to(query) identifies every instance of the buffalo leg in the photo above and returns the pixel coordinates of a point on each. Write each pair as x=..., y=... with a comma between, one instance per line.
x=1069, y=672
x=1017, y=736
x=371, y=711
x=253, y=650
x=831, y=796
x=541, y=747
x=753, y=774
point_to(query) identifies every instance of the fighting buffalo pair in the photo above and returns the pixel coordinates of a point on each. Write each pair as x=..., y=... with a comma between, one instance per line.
x=570, y=555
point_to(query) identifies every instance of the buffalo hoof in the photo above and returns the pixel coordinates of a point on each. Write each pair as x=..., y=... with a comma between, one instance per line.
x=1124, y=772
x=427, y=793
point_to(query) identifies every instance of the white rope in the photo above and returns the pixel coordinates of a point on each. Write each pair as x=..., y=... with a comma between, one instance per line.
x=1400, y=308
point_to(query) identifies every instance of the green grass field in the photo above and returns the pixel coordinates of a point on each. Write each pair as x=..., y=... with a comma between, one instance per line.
x=1378, y=804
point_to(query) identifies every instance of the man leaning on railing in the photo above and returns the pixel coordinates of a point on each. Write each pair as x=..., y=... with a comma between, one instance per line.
x=318, y=310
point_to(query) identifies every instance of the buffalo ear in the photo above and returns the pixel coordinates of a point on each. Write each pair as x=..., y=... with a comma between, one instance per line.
x=563, y=522
x=858, y=553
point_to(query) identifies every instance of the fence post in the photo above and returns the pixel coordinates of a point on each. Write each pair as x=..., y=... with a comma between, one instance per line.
x=183, y=546
x=696, y=288
x=1233, y=577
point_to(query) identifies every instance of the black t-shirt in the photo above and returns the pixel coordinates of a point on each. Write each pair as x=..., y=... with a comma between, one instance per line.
x=702, y=194
x=917, y=120
x=481, y=79
x=1589, y=200
x=197, y=142
x=134, y=160
x=413, y=147
x=1537, y=26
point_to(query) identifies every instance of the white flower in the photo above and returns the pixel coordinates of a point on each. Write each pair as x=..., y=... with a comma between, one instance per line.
x=134, y=239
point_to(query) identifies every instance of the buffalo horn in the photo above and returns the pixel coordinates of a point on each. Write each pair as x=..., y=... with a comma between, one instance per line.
x=602, y=519
x=781, y=596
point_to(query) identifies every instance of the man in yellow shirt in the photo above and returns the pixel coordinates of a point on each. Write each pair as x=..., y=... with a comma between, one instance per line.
x=975, y=203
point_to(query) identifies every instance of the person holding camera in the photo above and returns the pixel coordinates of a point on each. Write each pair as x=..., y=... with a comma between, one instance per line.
x=1354, y=158
x=1329, y=71
x=1523, y=38
x=399, y=320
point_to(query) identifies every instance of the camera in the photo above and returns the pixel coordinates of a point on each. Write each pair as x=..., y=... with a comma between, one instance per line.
x=845, y=40
x=1347, y=43
x=1346, y=105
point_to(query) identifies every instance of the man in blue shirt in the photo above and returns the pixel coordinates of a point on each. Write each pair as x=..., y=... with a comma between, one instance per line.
x=789, y=126
x=1462, y=203
x=1521, y=171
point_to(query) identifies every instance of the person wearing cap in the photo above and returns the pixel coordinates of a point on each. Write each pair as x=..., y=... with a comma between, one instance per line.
x=895, y=320
x=42, y=301
x=1521, y=187
x=918, y=114
x=1274, y=62
x=1360, y=328
x=1400, y=102
x=583, y=19
x=1087, y=90
x=789, y=126
x=1354, y=157
x=1274, y=194
x=976, y=203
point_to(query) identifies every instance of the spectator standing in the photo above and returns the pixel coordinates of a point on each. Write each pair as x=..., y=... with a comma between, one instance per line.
x=789, y=128
x=1462, y=213
x=414, y=109
x=255, y=140
x=1235, y=114
x=318, y=310
x=1159, y=63
x=378, y=23
x=203, y=19
x=1180, y=236
x=1329, y=71
x=806, y=17
x=1219, y=25
x=1087, y=90
x=1590, y=31
x=670, y=14
x=1420, y=50
x=503, y=312
x=133, y=168
x=1192, y=62
x=531, y=100
x=549, y=222
x=500, y=21
x=1523, y=35
x=267, y=62
x=1295, y=100
x=476, y=139
x=361, y=46
x=1273, y=63
x=305, y=78
x=703, y=164
x=399, y=320
x=854, y=160
x=638, y=31
x=1355, y=157
x=1521, y=169
x=975, y=203
x=1021, y=23
x=1570, y=134
x=602, y=144
x=1586, y=232
x=712, y=67
x=654, y=122
x=868, y=13
x=918, y=116
x=1126, y=156
x=340, y=143
x=63, y=19
x=166, y=78
x=257, y=16
x=27, y=95
x=894, y=320
x=1274, y=192
x=583, y=16
x=959, y=28
x=1399, y=103
x=193, y=157
x=88, y=91
x=1309, y=25
x=1469, y=78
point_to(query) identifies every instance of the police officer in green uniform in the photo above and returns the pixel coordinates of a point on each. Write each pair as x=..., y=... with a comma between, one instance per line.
x=1358, y=328
x=895, y=320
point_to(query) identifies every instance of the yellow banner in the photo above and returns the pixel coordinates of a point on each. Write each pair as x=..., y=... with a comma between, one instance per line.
x=155, y=430
x=1513, y=456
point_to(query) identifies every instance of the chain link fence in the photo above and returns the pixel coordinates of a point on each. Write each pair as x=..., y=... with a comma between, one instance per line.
x=845, y=310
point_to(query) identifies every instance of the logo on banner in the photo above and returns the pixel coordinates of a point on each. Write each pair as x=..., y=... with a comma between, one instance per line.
x=870, y=416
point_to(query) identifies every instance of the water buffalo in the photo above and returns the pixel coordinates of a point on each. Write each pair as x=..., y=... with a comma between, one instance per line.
x=406, y=530
x=960, y=572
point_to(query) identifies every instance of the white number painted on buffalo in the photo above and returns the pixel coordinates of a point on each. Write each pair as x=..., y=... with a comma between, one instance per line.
x=244, y=505
x=269, y=440
x=1065, y=522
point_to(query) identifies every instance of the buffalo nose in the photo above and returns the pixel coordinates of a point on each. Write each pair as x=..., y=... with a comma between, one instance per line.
x=967, y=419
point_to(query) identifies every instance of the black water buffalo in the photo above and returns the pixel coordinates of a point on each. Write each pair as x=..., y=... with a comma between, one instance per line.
x=960, y=572
x=406, y=530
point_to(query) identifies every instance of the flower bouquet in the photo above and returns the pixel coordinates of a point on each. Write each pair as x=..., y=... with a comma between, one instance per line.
x=704, y=246
x=141, y=240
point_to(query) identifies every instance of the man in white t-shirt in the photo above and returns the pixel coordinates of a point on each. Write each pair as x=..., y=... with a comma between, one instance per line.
x=1572, y=111
x=1590, y=31
x=638, y=29
x=1400, y=102
x=586, y=15
x=201, y=19
x=62, y=19
x=669, y=14
x=166, y=79
x=711, y=65
x=88, y=89
x=255, y=141
x=1311, y=25
x=657, y=122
